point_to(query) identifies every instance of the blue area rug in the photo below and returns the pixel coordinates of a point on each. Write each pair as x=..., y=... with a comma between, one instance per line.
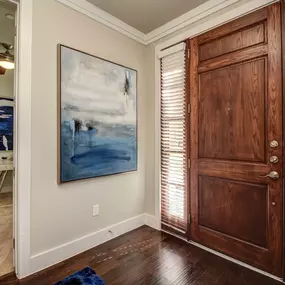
x=87, y=276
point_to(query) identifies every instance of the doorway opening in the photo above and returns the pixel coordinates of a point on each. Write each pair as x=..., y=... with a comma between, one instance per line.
x=8, y=11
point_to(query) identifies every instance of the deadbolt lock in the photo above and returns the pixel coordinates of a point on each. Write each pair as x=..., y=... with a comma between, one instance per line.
x=274, y=144
x=274, y=159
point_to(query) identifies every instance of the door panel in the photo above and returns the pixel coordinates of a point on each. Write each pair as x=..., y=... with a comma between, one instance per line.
x=233, y=58
x=236, y=111
x=231, y=112
x=223, y=207
x=245, y=38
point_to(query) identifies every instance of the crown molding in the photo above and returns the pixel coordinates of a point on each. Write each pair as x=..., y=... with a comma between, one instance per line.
x=105, y=18
x=203, y=11
x=188, y=18
x=242, y=8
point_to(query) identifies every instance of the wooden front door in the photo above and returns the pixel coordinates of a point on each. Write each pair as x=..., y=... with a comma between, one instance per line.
x=236, y=139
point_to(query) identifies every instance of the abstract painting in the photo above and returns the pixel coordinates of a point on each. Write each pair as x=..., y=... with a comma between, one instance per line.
x=97, y=108
x=6, y=124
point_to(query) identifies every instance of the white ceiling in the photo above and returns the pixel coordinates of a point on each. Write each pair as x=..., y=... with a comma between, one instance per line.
x=146, y=15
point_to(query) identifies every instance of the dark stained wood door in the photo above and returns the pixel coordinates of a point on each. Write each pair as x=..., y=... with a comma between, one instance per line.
x=236, y=113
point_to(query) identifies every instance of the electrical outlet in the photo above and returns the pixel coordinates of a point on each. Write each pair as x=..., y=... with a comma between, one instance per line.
x=95, y=210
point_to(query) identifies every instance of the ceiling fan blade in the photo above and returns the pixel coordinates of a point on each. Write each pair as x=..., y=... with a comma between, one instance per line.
x=2, y=70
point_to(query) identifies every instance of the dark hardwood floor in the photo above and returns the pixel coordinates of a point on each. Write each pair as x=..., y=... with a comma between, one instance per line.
x=146, y=256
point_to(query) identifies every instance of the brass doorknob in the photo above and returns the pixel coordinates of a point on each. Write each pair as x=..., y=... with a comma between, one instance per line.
x=272, y=175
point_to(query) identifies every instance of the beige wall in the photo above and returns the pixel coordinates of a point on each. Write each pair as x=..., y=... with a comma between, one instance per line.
x=6, y=36
x=60, y=214
x=150, y=154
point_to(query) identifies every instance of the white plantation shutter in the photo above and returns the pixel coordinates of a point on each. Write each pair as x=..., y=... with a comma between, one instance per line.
x=173, y=138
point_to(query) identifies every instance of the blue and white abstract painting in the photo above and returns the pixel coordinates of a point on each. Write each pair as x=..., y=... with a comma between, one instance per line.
x=6, y=124
x=98, y=120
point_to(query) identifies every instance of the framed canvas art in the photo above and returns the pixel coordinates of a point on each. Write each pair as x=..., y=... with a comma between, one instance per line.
x=6, y=124
x=97, y=116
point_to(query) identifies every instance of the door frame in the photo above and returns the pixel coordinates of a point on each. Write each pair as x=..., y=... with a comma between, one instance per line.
x=15, y=193
x=22, y=137
x=208, y=23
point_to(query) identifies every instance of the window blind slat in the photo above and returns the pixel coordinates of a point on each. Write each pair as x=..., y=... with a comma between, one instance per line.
x=172, y=91
x=173, y=141
x=173, y=59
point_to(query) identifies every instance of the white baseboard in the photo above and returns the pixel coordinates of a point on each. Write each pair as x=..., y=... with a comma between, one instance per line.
x=55, y=255
x=152, y=221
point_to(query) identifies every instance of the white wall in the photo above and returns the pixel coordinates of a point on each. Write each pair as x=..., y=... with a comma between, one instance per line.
x=60, y=214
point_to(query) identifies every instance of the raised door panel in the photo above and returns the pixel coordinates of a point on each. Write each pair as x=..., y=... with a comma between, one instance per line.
x=246, y=22
x=236, y=209
x=238, y=40
x=232, y=112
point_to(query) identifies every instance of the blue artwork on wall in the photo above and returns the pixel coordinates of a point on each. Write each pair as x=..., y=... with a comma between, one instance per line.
x=98, y=116
x=6, y=124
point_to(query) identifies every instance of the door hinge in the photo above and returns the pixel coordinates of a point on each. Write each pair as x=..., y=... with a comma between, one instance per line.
x=189, y=218
x=14, y=171
x=14, y=243
x=189, y=108
x=189, y=163
x=188, y=53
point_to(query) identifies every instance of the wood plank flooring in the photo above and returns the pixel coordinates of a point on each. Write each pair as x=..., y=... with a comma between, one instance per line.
x=146, y=256
x=6, y=233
